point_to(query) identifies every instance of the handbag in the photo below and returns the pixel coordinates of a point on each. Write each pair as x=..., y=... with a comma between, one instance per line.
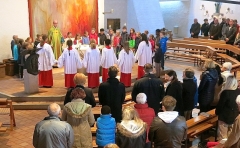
x=131, y=43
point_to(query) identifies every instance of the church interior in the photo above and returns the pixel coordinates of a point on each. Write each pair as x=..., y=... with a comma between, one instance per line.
x=24, y=102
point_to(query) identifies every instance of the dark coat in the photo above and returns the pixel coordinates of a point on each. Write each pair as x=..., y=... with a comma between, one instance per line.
x=206, y=87
x=168, y=135
x=205, y=29
x=89, y=99
x=112, y=93
x=214, y=31
x=152, y=87
x=195, y=28
x=174, y=89
x=227, y=108
x=127, y=139
x=124, y=38
x=188, y=93
x=102, y=38
x=137, y=42
x=231, y=34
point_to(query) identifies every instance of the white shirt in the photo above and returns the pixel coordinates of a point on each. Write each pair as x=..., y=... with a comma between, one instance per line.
x=144, y=53
x=126, y=61
x=92, y=59
x=225, y=75
x=46, y=57
x=71, y=61
x=108, y=58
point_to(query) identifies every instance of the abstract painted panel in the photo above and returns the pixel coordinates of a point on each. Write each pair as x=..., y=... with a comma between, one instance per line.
x=74, y=16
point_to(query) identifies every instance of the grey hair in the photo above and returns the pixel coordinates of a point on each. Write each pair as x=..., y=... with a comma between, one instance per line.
x=54, y=109
x=230, y=84
x=228, y=66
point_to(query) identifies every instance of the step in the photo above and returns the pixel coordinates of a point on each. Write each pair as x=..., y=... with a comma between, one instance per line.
x=3, y=129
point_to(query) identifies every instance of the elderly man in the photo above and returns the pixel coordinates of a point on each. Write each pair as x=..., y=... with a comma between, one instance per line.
x=168, y=129
x=52, y=132
x=151, y=86
x=55, y=39
x=214, y=30
x=195, y=29
x=112, y=93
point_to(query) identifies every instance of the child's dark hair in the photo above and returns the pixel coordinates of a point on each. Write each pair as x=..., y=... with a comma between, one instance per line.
x=101, y=29
x=107, y=42
x=69, y=43
x=105, y=110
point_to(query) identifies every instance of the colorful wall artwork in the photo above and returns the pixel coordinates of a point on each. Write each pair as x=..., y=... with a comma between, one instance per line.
x=74, y=16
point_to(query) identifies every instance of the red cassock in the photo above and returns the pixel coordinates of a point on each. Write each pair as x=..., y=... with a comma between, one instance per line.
x=69, y=80
x=140, y=72
x=93, y=80
x=45, y=78
x=125, y=78
x=104, y=74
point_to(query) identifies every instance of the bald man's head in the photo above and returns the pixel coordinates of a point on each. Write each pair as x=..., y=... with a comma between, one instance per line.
x=195, y=20
x=55, y=23
x=54, y=109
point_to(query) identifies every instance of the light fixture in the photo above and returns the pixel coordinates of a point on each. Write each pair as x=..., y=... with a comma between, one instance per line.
x=202, y=7
x=108, y=12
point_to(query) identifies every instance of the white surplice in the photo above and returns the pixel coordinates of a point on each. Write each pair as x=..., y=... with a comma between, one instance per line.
x=126, y=61
x=108, y=58
x=46, y=57
x=144, y=53
x=91, y=61
x=71, y=61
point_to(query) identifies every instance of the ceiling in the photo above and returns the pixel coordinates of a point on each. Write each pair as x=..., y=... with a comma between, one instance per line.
x=226, y=1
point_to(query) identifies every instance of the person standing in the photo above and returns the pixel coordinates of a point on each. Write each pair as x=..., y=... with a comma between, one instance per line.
x=55, y=39
x=206, y=88
x=71, y=61
x=230, y=36
x=214, y=30
x=225, y=26
x=195, y=29
x=143, y=55
x=85, y=38
x=168, y=129
x=15, y=37
x=50, y=127
x=125, y=64
x=91, y=62
x=116, y=43
x=110, y=35
x=151, y=86
x=112, y=93
x=205, y=28
x=93, y=35
x=174, y=89
x=79, y=115
x=37, y=40
x=124, y=36
x=46, y=60
x=102, y=36
x=108, y=59
x=227, y=109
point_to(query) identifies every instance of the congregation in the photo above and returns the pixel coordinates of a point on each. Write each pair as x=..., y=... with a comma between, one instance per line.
x=161, y=108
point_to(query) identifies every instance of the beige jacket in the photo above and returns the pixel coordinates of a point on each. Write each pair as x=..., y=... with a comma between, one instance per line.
x=79, y=115
x=234, y=138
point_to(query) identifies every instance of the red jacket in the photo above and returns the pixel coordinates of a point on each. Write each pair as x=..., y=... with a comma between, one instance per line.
x=153, y=44
x=94, y=36
x=116, y=41
x=146, y=113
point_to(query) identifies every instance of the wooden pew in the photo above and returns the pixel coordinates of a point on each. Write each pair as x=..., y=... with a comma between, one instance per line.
x=199, y=124
x=205, y=40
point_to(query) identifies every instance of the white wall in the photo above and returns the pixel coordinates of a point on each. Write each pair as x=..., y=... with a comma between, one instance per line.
x=100, y=14
x=175, y=13
x=14, y=21
x=119, y=11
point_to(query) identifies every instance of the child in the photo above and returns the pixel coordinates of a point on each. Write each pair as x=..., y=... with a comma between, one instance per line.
x=77, y=39
x=152, y=41
x=163, y=47
x=125, y=63
x=108, y=59
x=138, y=39
x=93, y=35
x=116, y=43
x=85, y=38
x=91, y=62
x=124, y=36
x=71, y=61
x=106, y=127
x=38, y=39
x=102, y=36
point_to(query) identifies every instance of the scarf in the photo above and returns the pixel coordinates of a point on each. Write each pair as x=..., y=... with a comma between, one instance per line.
x=108, y=47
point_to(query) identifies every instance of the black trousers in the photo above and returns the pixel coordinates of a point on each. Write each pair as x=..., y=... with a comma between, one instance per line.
x=228, y=52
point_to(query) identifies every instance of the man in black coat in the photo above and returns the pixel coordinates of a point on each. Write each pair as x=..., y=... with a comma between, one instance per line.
x=112, y=93
x=80, y=79
x=205, y=28
x=151, y=86
x=214, y=30
x=230, y=36
x=195, y=29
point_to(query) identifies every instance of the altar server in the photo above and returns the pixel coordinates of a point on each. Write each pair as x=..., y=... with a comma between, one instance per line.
x=71, y=61
x=125, y=63
x=92, y=59
x=143, y=55
x=46, y=60
x=108, y=59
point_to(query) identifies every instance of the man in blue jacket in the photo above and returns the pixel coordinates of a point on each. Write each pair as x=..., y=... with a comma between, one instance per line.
x=163, y=47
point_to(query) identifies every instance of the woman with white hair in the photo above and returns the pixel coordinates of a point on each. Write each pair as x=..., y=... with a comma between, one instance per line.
x=226, y=70
x=233, y=140
x=227, y=109
x=131, y=132
x=146, y=113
